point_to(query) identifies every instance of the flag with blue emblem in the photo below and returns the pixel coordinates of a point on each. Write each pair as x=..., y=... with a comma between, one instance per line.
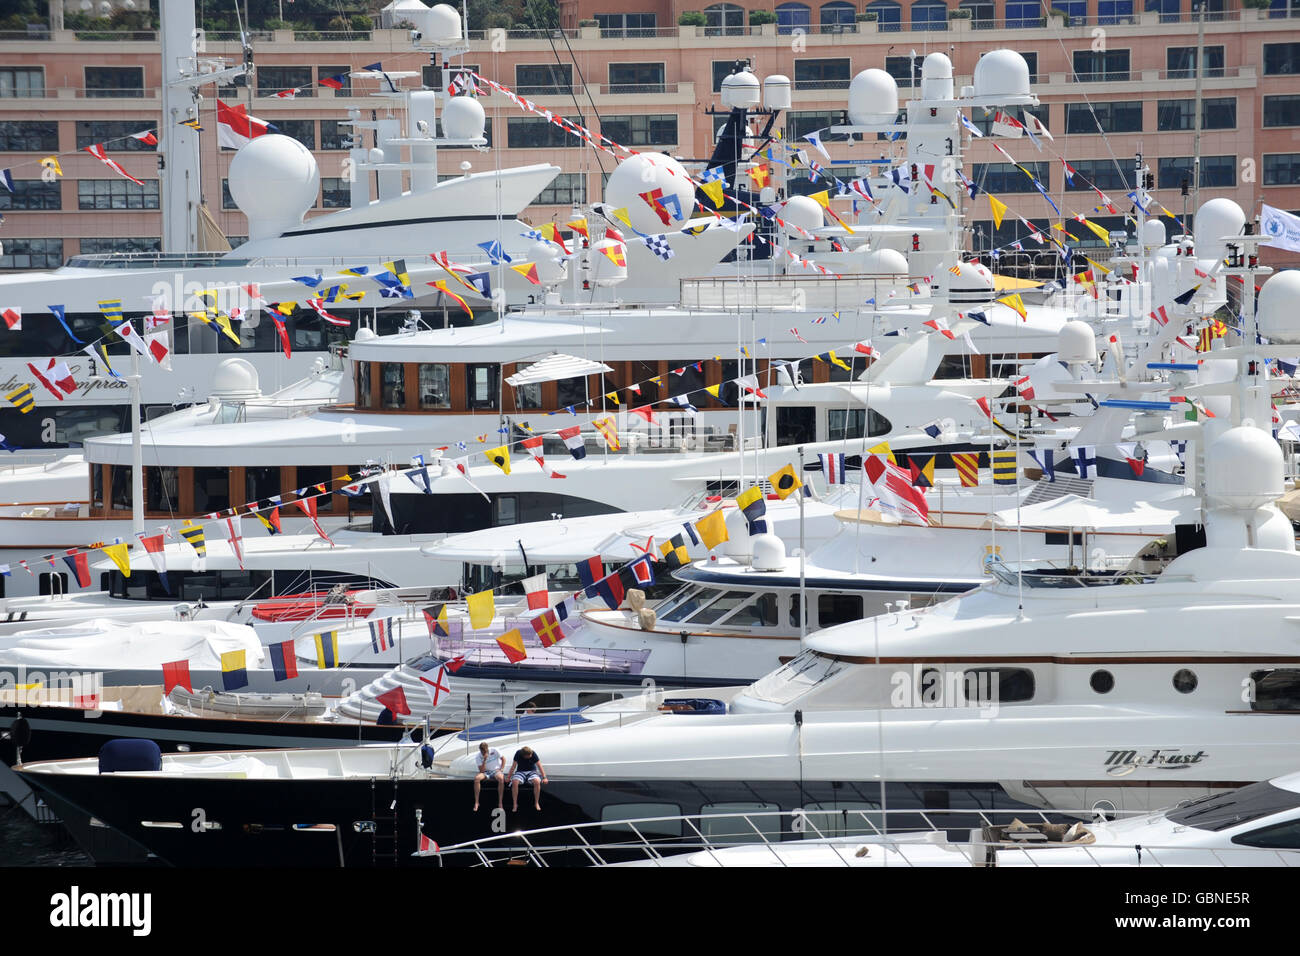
x=1085, y=460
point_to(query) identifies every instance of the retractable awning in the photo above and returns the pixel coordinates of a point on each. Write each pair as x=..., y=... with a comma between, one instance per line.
x=555, y=367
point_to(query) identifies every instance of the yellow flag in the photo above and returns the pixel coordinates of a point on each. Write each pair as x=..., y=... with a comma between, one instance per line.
x=714, y=390
x=482, y=608
x=712, y=529
x=999, y=209
x=621, y=216
x=785, y=482
x=883, y=449
x=52, y=162
x=1099, y=267
x=499, y=457
x=714, y=191
x=118, y=553
x=1015, y=302
x=838, y=361
x=822, y=198
x=1101, y=233
x=223, y=323
x=613, y=397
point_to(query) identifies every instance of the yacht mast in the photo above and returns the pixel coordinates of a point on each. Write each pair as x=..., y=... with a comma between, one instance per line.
x=1199, y=6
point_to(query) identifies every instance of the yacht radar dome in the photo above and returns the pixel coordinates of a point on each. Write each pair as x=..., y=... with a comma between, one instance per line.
x=1243, y=469
x=463, y=118
x=974, y=284
x=801, y=212
x=1214, y=221
x=274, y=181
x=604, y=270
x=550, y=267
x=1154, y=234
x=1276, y=312
x=235, y=380
x=440, y=24
x=873, y=99
x=740, y=90
x=885, y=262
x=643, y=174
x=1076, y=343
x=776, y=92
x=1001, y=75
x=767, y=552
x=936, y=77
x=737, y=546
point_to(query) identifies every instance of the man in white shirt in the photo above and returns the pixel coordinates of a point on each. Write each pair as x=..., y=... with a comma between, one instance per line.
x=490, y=765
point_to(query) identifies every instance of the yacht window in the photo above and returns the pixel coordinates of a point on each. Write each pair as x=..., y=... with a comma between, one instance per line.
x=261, y=483
x=720, y=823
x=610, y=817
x=835, y=609
x=96, y=485
x=1277, y=689
x=842, y=423
x=724, y=605
x=760, y=612
x=841, y=818
x=998, y=685
x=688, y=607
x=796, y=424
x=571, y=391
x=1280, y=836
x=392, y=385
x=309, y=475
x=804, y=672
x=435, y=385
x=507, y=510
x=528, y=397
x=122, y=479
x=481, y=386
x=1185, y=681
x=539, y=702
x=1220, y=811
x=363, y=385
x=160, y=488
x=592, y=699
x=211, y=489
x=676, y=598
x=1103, y=682
x=794, y=611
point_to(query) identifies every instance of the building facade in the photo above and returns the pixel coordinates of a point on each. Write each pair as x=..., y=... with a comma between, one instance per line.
x=1116, y=79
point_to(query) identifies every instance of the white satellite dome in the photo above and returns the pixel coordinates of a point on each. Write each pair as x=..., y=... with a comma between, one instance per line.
x=1276, y=311
x=235, y=380
x=1001, y=73
x=550, y=267
x=936, y=77
x=1154, y=234
x=274, y=181
x=1215, y=220
x=463, y=118
x=803, y=212
x=440, y=23
x=606, y=272
x=1076, y=343
x=737, y=546
x=767, y=552
x=974, y=283
x=645, y=173
x=885, y=262
x=873, y=98
x=740, y=90
x=776, y=92
x=1243, y=469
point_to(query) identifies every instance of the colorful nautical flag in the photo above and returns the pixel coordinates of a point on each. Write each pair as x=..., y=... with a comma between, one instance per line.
x=500, y=457
x=234, y=669
x=548, y=628
x=572, y=439
x=512, y=644
x=536, y=592
x=79, y=564
x=785, y=482
x=327, y=649
x=922, y=472
x=832, y=467
x=968, y=468
x=712, y=529
x=435, y=617
x=1004, y=466
x=284, y=661
x=481, y=608
x=381, y=637
x=22, y=398
x=674, y=553
x=395, y=701
x=608, y=429
x=193, y=535
x=753, y=505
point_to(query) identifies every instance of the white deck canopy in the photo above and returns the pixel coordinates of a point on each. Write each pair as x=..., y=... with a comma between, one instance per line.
x=555, y=367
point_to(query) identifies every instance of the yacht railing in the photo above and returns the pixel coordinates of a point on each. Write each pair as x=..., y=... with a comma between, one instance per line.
x=906, y=837
x=817, y=293
x=1047, y=577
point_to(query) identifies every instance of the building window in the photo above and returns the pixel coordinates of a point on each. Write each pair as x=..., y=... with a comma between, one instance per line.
x=1104, y=173
x=335, y=193
x=1114, y=11
x=487, y=136
x=793, y=16
x=618, y=25
x=641, y=129
x=106, y=245
x=837, y=17
x=799, y=123
x=1109, y=66
x=821, y=74
x=1024, y=14
x=889, y=15
x=114, y=82
x=1170, y=10
x=304, y=131
x=1282, y=110
x=1216, y=113
x=1180, y=61
x=277, y=79
x=1281, y=59
x=115, y=134
x=568, y=189
x=981, y=13
x=929, y=15
x=22, y=81
x=481, y=386
x=724, y=19
x=227, y=200
x=431, y=76
x=28, y=136
x=1280, y=169
x=345, y=74
x=1122, y=116
x=1216, y=171
x=1075, y=10
x=334, y=134
x=1008, y=178
x=721, y=70
x=1280, y=9
x=435, y=385
x=636, y=78
x=544, y=79
x=116, y=194
x=392, y=385
x=31, y=254
x=30, y=194
x=906, y=70
x=535, y=132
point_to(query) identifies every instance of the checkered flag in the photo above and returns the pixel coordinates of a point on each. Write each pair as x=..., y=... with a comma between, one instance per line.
x=659, y=246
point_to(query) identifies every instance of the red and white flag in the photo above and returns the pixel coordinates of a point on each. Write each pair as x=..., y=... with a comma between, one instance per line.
x=1004, y=125
x=56, y=377
x=308, y=506
x=97, y=150
x=539, y=598
x=1025, y=388
x=1161, y=316
x=940, y=325
x=893, y=489
x=235, y=127
x=427, y=847
x=147, y=137
x=436, y=686
x=235, y=540
x=128, y=333
x=318, y=306
x=157, y=344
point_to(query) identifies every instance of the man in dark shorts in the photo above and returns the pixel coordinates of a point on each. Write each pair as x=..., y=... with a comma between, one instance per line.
x=527, y=768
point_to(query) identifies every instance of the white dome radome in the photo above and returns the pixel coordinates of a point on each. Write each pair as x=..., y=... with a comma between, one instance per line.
x=274, y=181
x=1279, y=320
x=604, y=271
x=873, y=98
x=1154, y=234
x=1076, y=343
x=803, y=212
x=235, y=380
x=776, y=92
x=442, y=22
x=740, y=90
x=767, y=552
x=463, y=118
x=737, y=546
x=885, y=262
x=1243, y=469
x=1001, y=73
x=550, y=267
x=646, y=173
x=1214, y=221
x=936, y=77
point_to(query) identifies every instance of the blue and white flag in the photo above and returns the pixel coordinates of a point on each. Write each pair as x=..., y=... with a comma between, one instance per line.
x=1282, y=228
x=832, y=468
x=659, y=246
x=970, y=127
x=1046, y=458
x=494, y=252
x=1085, y=460
x=683, y=402
x=815, y=138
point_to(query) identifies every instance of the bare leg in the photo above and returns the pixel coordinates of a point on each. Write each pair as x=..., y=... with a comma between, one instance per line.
x=478, y=783
x=537, y=792
x=501, y=790
x=514, y=795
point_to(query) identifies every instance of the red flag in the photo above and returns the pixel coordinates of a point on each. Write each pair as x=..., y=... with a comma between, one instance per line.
x=983, y=403
x=97, y=150
x=283, y=331
x=147, y=137
x=548, y=629
x=308, y=506
x=394, y=700
x=176, y=674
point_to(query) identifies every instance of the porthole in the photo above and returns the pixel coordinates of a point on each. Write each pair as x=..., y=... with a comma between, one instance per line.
x=1185, y=681
x=1103, y=682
